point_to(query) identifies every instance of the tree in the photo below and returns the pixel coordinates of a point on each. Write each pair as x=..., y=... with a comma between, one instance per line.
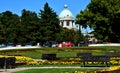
x=30, y=27
x=49, y=24
x=78, y=37
x=10, y=25
x=65, y=35
x=103, y=16
x=2, y=33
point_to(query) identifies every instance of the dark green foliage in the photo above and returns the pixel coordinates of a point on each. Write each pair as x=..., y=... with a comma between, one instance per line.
x=2, y=33
x=103, y=16
x=69, y=35
x=49, y=24
x=30, y=27
x=10, y=25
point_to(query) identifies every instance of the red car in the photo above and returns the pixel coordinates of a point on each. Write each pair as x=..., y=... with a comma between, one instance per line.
x=65, y=44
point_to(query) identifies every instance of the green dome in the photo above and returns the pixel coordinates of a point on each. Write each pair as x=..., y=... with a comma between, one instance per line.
x=66, y=13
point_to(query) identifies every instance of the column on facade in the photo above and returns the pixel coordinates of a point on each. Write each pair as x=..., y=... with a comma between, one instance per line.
x=71, y=24
x=64, y=24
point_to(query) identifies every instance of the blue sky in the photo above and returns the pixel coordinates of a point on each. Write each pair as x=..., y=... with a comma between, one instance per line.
x=16, y=6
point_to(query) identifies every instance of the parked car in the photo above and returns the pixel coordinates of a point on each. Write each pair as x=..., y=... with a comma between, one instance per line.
x=83, y=44
x=65, y=44
x=10, y=45
x=18, y=45
x=28, y=44
x=2, y=45
x=54, y=44
x=46, y=44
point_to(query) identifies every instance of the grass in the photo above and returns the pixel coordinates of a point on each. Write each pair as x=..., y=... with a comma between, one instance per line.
x=61, y=52
x=62, y=70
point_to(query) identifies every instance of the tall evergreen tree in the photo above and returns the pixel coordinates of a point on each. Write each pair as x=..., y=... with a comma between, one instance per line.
x=49, y=23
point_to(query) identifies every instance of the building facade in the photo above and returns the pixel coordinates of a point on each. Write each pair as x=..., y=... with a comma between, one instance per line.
x=66, y=18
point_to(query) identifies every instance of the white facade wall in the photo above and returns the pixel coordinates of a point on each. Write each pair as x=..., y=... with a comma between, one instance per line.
x=71, y=23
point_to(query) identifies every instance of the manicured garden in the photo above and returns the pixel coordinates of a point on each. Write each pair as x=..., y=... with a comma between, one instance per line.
x=65, y=57
x=72, y=70
x=63, y=70
x=61, y=52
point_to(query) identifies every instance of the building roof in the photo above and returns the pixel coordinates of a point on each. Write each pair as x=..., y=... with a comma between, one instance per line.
x=66, y=13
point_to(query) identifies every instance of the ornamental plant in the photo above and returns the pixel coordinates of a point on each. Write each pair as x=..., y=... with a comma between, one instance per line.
x=23, y=59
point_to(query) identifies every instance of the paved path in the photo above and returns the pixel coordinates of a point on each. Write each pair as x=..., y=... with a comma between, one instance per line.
x=19, y=47
x=50, y=67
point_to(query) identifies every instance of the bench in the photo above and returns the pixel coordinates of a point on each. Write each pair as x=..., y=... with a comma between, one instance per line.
x=48, y=56
x=98, y=59
x=84, y=54
x=8, y=62
x=2, y=60
x=113, y=54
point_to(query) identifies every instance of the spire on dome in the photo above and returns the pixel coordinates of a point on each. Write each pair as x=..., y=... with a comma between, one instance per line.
x=65, y=6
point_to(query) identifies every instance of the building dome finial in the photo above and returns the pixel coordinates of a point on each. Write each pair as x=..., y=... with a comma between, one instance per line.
x=65, y=6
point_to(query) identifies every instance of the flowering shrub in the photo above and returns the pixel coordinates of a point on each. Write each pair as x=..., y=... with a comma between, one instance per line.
x=20, y=58
x=51, y=63
x=5, y=56
x=33, y=63
x=1, y=56
x=114, y=68
x=70, y=61
x=115, y=60
x=23, y=59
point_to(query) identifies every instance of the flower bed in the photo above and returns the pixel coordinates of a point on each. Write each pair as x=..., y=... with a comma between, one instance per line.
x=69, y=61
x=23, y=59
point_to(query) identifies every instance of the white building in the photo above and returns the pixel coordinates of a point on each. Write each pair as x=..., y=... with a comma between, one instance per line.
x=66, y=18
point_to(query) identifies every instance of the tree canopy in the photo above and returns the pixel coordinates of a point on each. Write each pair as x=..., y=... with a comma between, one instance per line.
x=49, y=23
x=9, y=23
x=103, y=16
x=34, y=28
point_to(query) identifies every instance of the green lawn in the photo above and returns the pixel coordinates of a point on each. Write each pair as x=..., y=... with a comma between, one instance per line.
x=61, y=52
x=65, y=70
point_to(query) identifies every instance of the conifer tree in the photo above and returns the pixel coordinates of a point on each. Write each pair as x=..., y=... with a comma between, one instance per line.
x=49, y=23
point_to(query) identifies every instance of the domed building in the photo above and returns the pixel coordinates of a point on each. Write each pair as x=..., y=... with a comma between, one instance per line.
x=66, y=18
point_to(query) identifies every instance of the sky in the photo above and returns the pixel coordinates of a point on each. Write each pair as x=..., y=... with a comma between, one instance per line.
x=16, y=6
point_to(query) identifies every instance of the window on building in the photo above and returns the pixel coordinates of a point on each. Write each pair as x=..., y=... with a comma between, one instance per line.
x=67, y=23
x=61, y=23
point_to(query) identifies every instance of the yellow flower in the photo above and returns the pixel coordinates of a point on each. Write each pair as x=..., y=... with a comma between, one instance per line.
x=23, y=59
x=113, y=68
